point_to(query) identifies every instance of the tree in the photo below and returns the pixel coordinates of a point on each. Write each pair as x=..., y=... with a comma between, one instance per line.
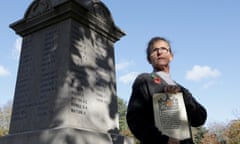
x=198, y=134
x=233, y=132
x=236, y=113
x=122, y=110
x=209, y=138
x=215, y=134
x=5, y=116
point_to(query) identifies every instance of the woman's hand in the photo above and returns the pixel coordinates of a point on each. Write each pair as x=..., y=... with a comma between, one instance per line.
x=172, y=89
x=173, y=141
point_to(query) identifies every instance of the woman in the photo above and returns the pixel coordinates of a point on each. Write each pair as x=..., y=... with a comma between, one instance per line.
x=140, y=117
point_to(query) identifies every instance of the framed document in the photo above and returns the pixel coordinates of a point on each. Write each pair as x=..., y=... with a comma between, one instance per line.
x=170, y=115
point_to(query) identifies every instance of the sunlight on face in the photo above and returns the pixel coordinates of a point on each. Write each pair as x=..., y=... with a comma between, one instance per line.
x=160, y=54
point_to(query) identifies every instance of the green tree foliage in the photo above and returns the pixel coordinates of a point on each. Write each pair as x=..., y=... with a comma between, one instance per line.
x=5, y=116
x=198, y=134
x=122, y=110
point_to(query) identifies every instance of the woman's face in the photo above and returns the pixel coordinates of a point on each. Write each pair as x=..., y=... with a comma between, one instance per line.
x=160, y=55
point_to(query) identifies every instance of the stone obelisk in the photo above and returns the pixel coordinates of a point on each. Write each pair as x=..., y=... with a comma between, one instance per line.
x=66, y=89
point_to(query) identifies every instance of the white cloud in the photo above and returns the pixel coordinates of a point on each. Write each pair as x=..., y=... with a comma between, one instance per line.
x=200, y=72
x=4, y=71
x=208, y=84
x=128, y=78
x=123, y=65
x=17, y=48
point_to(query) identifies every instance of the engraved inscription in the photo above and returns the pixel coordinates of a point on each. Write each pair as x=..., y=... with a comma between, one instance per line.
x=79, y=103
x=48, y=76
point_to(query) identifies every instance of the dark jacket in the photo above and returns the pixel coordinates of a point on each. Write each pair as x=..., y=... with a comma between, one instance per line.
x=140, y=116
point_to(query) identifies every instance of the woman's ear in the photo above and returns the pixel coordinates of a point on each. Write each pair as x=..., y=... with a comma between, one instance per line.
x=171, y=57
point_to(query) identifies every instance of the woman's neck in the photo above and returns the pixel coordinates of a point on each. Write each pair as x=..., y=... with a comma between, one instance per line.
x=165, y=69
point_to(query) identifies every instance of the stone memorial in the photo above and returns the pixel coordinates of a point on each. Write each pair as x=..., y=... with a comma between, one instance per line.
x=66, y=87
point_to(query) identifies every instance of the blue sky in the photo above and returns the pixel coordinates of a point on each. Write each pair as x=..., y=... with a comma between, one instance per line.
x=205, y=38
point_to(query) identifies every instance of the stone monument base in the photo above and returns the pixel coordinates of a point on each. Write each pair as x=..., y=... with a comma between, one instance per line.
x=65, y=136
